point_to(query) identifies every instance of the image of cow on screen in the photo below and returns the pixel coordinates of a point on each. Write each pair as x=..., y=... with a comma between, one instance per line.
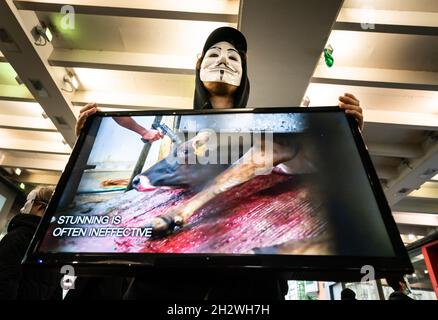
x=225, y=183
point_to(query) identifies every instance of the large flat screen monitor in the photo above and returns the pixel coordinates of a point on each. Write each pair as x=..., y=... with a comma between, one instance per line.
x=289, y=189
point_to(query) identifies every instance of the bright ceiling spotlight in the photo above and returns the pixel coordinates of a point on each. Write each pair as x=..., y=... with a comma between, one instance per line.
x=17, y=171
x=22, y=186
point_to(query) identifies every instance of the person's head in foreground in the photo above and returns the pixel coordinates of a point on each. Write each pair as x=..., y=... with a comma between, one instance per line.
x=37, y=201
x=400, y=287
x=398, y=284
x=348, y=294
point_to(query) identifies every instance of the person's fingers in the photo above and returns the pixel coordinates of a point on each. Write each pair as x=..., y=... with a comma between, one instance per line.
x=350, y=95
x=354, y=113
x=345, y=106
x=79, y=125
x=157, y=135
x=155, y=138
x=87, y=107
x=85, y=112
x=359, y=118
x=88, y=113
x=357, y=115
x=83, y=117
x=349, y=100
x=351, y=105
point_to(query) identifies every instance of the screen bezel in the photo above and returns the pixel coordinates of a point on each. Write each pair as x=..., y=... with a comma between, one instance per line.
x=295, y=266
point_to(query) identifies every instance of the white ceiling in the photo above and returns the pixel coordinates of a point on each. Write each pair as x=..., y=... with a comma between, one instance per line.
x=127, y=34
x=135, y=82
x=394, y=5
x=19, y=108
x=199, y=6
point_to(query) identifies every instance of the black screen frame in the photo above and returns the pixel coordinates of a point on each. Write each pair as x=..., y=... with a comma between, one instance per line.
x=329, y=268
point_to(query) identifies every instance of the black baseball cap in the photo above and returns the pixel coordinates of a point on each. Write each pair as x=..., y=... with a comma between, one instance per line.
x=228, y=34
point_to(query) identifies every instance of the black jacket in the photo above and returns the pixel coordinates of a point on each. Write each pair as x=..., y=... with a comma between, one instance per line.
x=397, y=296
x=14, y=282
x=212, y=285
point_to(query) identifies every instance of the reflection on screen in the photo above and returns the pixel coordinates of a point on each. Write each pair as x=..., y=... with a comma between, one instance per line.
x=283, y=183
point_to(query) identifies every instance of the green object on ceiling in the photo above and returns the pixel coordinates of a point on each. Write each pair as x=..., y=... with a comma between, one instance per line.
x=328, y=56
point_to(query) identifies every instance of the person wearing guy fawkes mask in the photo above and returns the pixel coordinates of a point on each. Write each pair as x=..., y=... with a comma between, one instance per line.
x=221, y=75
x=221, y=82
x=14, y=282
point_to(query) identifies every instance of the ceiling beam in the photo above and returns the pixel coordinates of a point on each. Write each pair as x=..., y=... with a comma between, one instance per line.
x=386, y=172
x=416, y=230
x=35, y=163
x=33, y=146
x=33, y=69
x=433, y=184
x=374, y=77
x=26, y=123
x=15, y=93
x=377, y=18
x=428, y=190
x=414, y=173
x=40, y=178
x=411, y=204
x=131, y=101
x=387, y=28
x=415, y=218
x=404, y=120
x=282, y=57
x=126, y=61
x=376, y=84
x=380, y=99
x=120, y=9
x=394, y=150
x=44, y=142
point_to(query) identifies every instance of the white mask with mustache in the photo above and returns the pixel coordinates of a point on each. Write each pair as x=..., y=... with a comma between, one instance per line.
x=222, y=63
